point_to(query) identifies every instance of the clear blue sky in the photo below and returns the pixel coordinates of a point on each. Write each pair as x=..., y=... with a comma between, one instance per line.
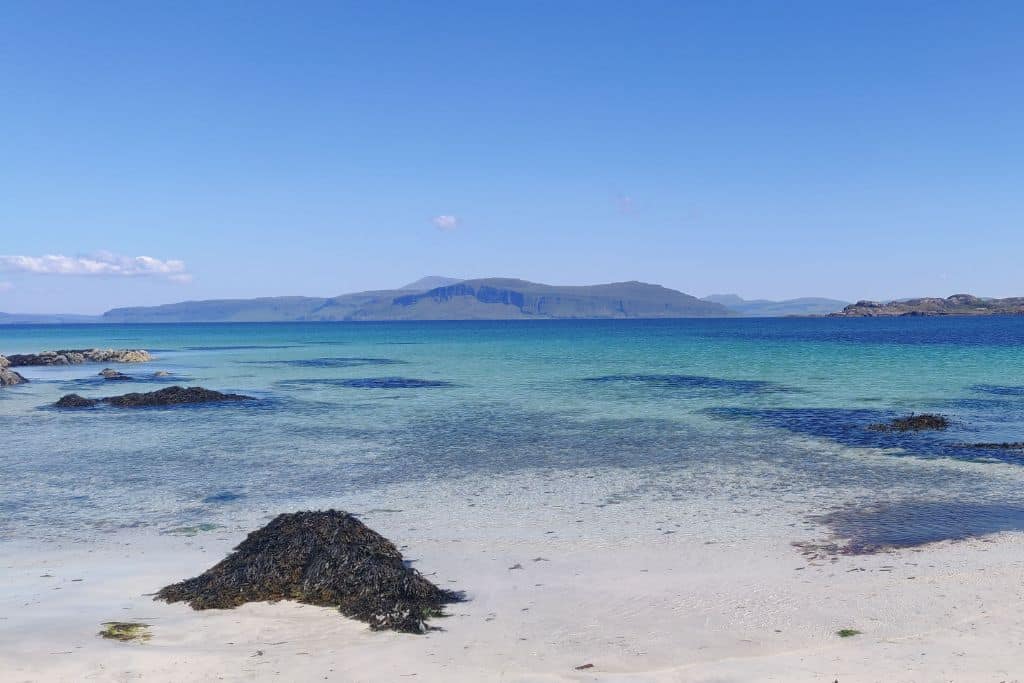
x=772, y=149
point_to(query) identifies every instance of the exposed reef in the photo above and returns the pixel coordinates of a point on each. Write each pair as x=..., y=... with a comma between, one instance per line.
x=326, y=558
x=163, y=397
x=79, y=356
x=109, y=374
x=912, y=423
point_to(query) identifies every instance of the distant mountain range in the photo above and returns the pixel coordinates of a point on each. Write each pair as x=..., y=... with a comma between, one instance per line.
x=446, y=298
x=763, y=308
x=958, y=304
x=438, y=298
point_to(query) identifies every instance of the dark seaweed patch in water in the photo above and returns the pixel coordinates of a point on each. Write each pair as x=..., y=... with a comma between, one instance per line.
x=912, y=523
x=998, y=390
x=698, y=383
x=368, y=383
x=339, y=362
x=223, y=497
x=850, y=427
x=240, y=347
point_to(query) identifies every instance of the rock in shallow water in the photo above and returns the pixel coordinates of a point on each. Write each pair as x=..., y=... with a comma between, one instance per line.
x=326, y=558
x=107, y=373
x=78, y=356
x=912, y=423
x=164, y=397
x=10, y=377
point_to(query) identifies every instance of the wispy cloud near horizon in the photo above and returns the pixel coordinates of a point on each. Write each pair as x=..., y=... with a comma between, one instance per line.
x=99, y=263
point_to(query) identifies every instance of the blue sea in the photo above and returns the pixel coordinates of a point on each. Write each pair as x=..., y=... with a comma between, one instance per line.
x=736, y=411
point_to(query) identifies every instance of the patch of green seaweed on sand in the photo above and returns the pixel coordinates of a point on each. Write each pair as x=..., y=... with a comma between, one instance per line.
x=847, y=632
x=125, y=631
x=191, y=530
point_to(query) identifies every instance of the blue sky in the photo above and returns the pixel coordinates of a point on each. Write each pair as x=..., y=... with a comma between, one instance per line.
x=772, y=149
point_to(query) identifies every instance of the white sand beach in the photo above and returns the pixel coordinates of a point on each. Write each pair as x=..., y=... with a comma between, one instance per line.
x=641, y=590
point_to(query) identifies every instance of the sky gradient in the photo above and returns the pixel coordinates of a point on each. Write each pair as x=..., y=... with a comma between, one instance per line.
x=771, y=149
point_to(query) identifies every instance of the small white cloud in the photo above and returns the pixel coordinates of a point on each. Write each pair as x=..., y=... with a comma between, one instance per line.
x=445, y=223
x=100, y=263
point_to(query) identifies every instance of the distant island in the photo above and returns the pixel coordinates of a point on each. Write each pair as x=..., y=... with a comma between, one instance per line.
x=437, y=298
x=446, y=298
x=765, y=308
x=958, y=304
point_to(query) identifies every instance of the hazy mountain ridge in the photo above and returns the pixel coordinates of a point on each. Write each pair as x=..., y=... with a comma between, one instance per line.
x=480, y=299
x=47, y=318
x=767, y=308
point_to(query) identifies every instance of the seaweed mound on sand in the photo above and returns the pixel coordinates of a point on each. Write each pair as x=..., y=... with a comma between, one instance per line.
x=168, y=396
x=912, y=423
x=326, y=558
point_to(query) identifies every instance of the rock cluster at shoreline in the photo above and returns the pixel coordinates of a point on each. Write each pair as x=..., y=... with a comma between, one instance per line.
x=163, y=397
x=79, y=356
x=327, y=558
x=9, y=377
x=958, y=304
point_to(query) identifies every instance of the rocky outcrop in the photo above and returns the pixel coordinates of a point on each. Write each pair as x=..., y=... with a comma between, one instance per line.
x=76, y=401
x=320, y=558
x=110, y=374
x=958, y=304
x=10, y=377
x=164, y=397
x=912, y=423
x=78, y=356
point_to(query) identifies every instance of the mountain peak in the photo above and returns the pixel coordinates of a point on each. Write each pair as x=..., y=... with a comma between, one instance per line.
x=430, y=282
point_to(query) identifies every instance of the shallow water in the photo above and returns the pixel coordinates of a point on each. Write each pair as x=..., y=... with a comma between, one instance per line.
x=716, y=410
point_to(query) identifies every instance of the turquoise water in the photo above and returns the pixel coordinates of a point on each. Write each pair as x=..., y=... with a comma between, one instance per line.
x=780, y=406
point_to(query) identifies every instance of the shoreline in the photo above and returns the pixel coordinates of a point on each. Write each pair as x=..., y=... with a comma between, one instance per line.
x=632, y=590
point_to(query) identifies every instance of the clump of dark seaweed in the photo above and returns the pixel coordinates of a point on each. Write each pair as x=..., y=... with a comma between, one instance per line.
x=912, y=423
x=326, y=558
x=162, y=397
x=999, y=446
x=75, y=401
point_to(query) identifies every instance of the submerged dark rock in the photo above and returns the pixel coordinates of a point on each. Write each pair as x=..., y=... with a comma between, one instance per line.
x=163, y=397
x=912, y=423
x=699, y=383
x=326, y=558
x=368, y=383
x=78, y=356
x=1001, y=446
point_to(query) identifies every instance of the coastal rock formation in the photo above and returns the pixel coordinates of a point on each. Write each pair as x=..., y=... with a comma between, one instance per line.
x=10, y=377
x=958, y=304
x=326, y=558
x=78, y=356
x=76, y=401
x=107, y=373
x=163, y=397
x=912, y=423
